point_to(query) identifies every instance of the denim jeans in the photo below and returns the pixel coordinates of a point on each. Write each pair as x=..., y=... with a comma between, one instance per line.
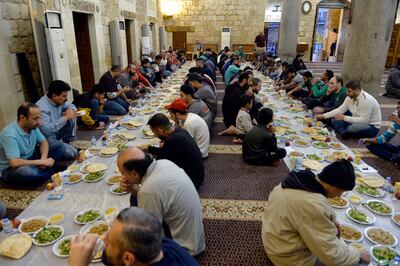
x=59, y=142
x=348, y=130
x=94, y=112
x=386, y=151
x=117, y=106
x=31, y=176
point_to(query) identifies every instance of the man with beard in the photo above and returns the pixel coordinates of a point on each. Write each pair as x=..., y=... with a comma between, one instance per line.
x=135, y=238
x=201, y=62
x=232, y=69
x=203, y=91
x=232, y=102
x=25, y=159
x=59, y=119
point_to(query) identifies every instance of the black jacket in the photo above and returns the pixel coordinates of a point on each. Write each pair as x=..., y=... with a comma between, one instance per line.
x=181, y=149
x=231, y=103
x=303, y=180
x=258, y=142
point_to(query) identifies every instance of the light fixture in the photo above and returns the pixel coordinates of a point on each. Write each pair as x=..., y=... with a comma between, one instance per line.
x=170, y=8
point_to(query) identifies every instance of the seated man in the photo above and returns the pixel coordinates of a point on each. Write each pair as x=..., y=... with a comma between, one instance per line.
x=241, y=53
x=365, y=119
x=299, y=228
x=232, y=70
x=319, y=89
x=303, y=90
x=333, y=98
x=117, y=102
x=207, y=70
x=59, y=119
x=203, y=92
x=294, y=80
x=129, y=78
x=166, y=191
x=392, y=86
x=25, y=159
x=92, y=103
x=135, y=238
x=178, y=146
x=146, y=71
x=380, y=145
x=207, y=78
x=260, y=145
x=192, y=123
x=196, y=106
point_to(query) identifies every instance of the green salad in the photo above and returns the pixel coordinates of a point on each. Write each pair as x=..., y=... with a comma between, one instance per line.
x=88, y=216
x=48, y=234
x=322, y=132
x=359, y=216
x=94, y=176
x=314, y=157
x=118, y=190
x=320, y=144
x=64, y=247
x=368, y=190
x=384, y=253
x=379, y=207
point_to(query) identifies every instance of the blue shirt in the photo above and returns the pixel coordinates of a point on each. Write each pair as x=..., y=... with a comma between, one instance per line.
x=16, y=143
x=175, y=255
x=389, y=133
x=52, y=116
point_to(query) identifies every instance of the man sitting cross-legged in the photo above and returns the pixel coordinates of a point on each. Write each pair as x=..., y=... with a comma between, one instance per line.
x=165, y=190
x=25, y=159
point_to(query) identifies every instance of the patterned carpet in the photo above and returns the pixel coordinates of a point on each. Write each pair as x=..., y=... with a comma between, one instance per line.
x=233, y=195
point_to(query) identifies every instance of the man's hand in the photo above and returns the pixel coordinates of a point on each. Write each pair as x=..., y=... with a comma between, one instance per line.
x=49, y=162
x=394, y=118
x=272, y=129
x=339, y=117
x=125, y=185
x=81, y=249
x=364, y=257
x=143, y=147
x=319, y=116
x=69, y=114
x=338, y=228
x=289, y=95
x=365, y=141
x=314, y=82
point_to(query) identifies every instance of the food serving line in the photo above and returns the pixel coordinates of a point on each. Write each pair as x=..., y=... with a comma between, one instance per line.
x=96, y=194
x=291, y=120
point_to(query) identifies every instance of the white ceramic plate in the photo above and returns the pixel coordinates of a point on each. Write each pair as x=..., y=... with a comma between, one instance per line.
x=321, y=157
x=86, y=228
x=77, y=181
x=394, y=220
x=376, y=243
x=315, y=145
x=115, y=186
x=370, y=216
x=371, y=251
x=382, y=193
x=374, y=211
x=48, y=243
x=82, y=212
x=295, y=143
x=32, y=218
x=93, y=181
x=340, y=207
x=342, y=147
x=354, y=228
x=56, y=251
x=108, y=179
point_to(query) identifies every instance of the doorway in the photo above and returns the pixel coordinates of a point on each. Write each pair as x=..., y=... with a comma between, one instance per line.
x=326, y=31
x=128, y=40
x=82, y=40
x=273, y=38
x=179, y=40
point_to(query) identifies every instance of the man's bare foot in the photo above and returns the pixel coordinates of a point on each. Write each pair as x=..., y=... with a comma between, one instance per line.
x=275, y=163
x=237, y=140
x=231, y=130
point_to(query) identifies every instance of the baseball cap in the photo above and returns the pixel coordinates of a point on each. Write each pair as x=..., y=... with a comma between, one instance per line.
x=178, y=104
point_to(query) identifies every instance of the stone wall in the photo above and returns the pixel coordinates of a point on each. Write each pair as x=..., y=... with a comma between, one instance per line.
x=208, y=16
x=306, y=28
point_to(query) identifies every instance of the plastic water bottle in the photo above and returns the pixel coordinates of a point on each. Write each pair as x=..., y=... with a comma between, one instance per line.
x=93, y=141
x=299, y=161
x=395, y=261
x=65, y=178
x=7, y=226
x=388, y=185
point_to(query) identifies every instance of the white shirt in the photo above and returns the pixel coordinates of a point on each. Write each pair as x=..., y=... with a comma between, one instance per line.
x=198, y=129
x=364, y=110
x=168, y=193
x=243, y=121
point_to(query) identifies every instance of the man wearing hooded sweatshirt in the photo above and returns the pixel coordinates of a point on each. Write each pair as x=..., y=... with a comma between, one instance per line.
x=299, y=228
x=232, y=70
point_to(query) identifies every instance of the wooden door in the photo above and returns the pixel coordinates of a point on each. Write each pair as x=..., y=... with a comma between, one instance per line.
x=179, y=40
x=128, y=40
x=82, y=40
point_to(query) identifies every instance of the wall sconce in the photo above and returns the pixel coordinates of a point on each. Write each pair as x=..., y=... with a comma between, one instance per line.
x=169, y=8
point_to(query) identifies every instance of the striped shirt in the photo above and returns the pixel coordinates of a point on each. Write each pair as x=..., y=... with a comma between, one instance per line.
x=389, y=133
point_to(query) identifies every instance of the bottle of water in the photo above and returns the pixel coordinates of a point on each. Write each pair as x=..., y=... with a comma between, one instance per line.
x=388, y=184
x=299, y=161
x=7, y=226
x=93, y=141
x=65, y=178
x=395, y=261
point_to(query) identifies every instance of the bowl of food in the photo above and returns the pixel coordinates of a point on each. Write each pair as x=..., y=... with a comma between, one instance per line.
x=370, y=191
x=396, y=218
x=114, y=179
x=56, y=218
x=350, y=233
x=338, y=202
x=355, y=200
x=93, y=177
x=383, y=253
x=99, y=228
x=360, y=216
x=117, y=190
x=48, y=235
x=33, y=224
x=379, y=207
x=88, y=216
x=380, y=236
x=61, y=248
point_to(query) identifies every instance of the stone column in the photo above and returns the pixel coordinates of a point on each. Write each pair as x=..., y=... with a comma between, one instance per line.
x=163, y=38
x=289, y=29
x=368, y=41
